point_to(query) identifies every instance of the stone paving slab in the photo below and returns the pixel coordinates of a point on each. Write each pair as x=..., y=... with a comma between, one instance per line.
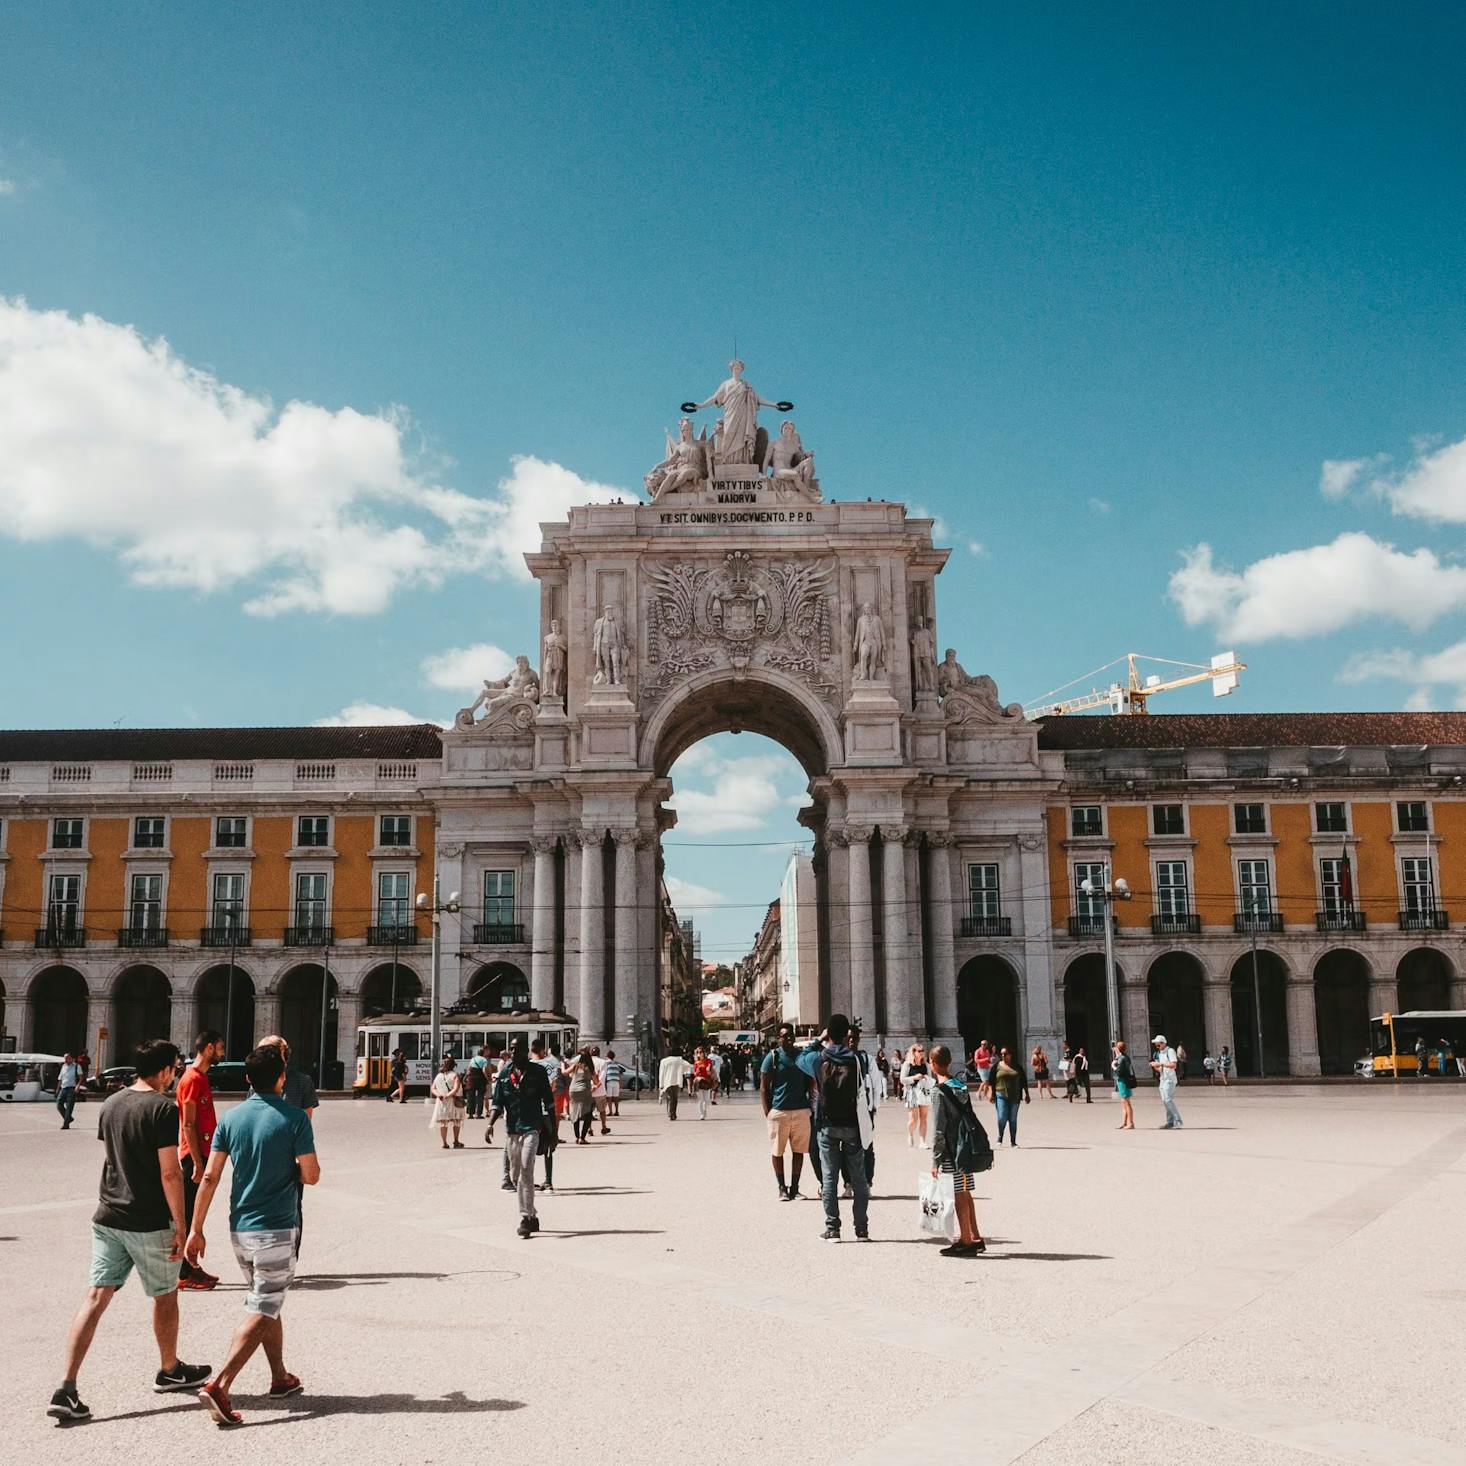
x=1220, y=1280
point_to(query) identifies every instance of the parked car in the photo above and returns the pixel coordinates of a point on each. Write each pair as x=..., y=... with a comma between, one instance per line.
x=635, y=1079
x=110, y=1080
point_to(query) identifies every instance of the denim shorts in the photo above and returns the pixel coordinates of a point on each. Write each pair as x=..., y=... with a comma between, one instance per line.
x=267, y=1260
x=115, y=1253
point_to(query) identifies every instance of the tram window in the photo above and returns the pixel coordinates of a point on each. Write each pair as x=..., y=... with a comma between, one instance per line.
x=475, y=1041
x=453, y=1045
x=408, y=1044
x=360, y=1044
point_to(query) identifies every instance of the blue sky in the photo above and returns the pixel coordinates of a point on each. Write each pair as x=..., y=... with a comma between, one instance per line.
x=1096, y=286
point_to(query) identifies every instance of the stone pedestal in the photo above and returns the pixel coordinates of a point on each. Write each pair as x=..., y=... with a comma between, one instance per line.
x=872, y=725
x=926, y=739
x=551, y=735
x=608, y=729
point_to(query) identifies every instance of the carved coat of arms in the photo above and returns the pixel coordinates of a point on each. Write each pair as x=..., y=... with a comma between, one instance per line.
x=740, y=612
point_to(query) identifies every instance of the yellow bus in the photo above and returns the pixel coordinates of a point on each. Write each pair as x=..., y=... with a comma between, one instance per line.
x=1392, y=1039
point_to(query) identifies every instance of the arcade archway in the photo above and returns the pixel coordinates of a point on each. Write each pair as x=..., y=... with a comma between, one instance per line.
x=1086, y=1009
x=1341, y=1006
x=1272, y=987
x=1176, y=1009
x=498, y=987
x=142, y=1009
x=307, y=995
x=215, y=993
x=391, y=988
x=987, y=1005
x=1424, y=981
x=57, y=999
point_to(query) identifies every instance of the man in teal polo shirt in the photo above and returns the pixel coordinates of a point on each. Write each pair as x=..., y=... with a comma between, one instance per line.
x=784, y=1093
x=273, y=1149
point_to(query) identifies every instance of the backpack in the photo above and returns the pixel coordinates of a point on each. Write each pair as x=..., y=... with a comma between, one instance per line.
x=971, y=1150
x=839, y=1090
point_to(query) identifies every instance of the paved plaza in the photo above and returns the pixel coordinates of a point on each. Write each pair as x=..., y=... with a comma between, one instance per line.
x=1280, y=1282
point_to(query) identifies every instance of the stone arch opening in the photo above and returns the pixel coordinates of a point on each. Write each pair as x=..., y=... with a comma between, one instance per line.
x=216, y=995
x=307, y=994
x=58, y=1005
x=1176, y=1007
x=1272, y=987
x=391, y=988
x=142, y=1009
x=498, y=987
x=1086, y=1009
x=1424, y=978
x=1341, y=1009
x=987, y=1004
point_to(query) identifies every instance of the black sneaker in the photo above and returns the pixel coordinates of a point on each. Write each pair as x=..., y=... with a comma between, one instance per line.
x=830, y=1234
x=862, y=1236
x=181, y=1377
x=66, y=1405
x=508, y=1186
x=534, y=1224
x=790, y=1194
x=525, y=1230
x=960, y=1249
x=783, y=1192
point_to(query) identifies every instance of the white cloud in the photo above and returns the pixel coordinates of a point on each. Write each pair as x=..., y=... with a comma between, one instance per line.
x=1426, y=670
x=688, y=894
x=7, y=186
x=1099, y=506
x=745, y=792
x=196, y=484
x=465, y=668
x=1338, y=475
x=1317, y=590
x=1432, y=487
x=369, y=714
x=976, y=547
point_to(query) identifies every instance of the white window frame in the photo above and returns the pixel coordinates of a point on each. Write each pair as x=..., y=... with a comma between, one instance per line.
x=383, y=843
x=1399, y=826
x=512, y=897
x=1332, y=905
x=241, y=918
x=985, y=898
x=1267, y=822
x=1348, y=817
x=1169, y=834
x=1245, y=885
x=1074, y=809
x=68, y=819
x=1166, y=903
x=1417, y=893
x=243, y=820
x=402, y=907
x=77, y=921
x=150, y=907
x=162, y=833
x=318, y=845
x=296, y=906
x=1090, y=905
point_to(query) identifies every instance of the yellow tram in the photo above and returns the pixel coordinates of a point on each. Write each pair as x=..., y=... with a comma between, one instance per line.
x=463, y=1034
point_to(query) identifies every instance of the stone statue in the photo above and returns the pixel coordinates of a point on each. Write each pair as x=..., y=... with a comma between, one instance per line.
x=738, y=427
x=982, y=690
x=924, y=656
x=792, y=466
x=520, y=685
x=686, y=462
x=870, y=644
x=608, y=646
x=552, y=676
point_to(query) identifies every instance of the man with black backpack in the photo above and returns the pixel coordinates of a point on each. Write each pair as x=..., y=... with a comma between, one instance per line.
x=846, y=1129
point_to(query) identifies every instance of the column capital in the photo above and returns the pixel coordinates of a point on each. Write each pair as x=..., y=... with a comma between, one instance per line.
x=855, y=835
x=627, y=839
x=941, y=839
x=590, y=839
x=544, y=844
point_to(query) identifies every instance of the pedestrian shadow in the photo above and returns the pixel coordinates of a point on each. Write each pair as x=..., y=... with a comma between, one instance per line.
x=1052, y=1147
x=327, y=1282
x=606, y=1232
x=312, y=1407
x=1049, y=1256
x=599, y=1191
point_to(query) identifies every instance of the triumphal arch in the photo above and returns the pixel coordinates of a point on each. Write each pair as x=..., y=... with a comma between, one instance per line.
x=738, y=596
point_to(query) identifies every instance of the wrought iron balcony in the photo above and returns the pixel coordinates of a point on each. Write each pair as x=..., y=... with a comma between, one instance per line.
x=986, y=926
x=498, y=933
x=1339, y=921
x=392, y=934
x=64, y=935
x=310, y=936
x=143, y=936
x=228, y=935
x=1177, y=924
x=1246, y=922
x=1087, y=926
x=1432, y=919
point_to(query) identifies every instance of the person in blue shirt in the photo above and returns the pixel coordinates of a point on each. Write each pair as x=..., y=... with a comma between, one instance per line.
x=272, y=1148
x=784, y=1093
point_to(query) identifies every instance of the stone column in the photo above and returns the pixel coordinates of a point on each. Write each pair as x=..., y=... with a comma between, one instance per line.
x=1135, y=1027
x=628, y=945
x=542, y=937
x=348, y=1019
x=944, y=940
x=592, y=1013
x=450, y=879
x=570, y=977
x=862, y=955
x=184, y=1017
x=1384, y=993
x=899, y=939
x=837, y=915
x=648, y=902
x=916, y=935
x=1039, y=985
x=1302, y=1028
x=1216, y=999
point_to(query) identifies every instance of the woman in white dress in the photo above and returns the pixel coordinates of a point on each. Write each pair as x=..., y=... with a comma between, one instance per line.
x=448, y=1105
x=916, y=1087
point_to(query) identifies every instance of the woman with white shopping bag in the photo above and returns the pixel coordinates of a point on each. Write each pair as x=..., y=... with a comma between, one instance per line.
x=960, y=1149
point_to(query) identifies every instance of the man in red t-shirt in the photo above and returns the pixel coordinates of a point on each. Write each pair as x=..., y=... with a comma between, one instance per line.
x=196, y=1125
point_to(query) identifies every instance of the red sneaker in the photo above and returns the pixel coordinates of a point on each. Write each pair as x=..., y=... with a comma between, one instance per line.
x=197, y=1281
x=216, y=1398
x=286, y=1385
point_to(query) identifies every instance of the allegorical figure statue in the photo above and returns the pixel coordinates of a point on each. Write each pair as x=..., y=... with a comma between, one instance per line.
x=924, y=656
x=521, y=683
x=608, y=646
x=952, y=677
x=552, y=675
x=950, y=674
x=792, y=466
x=686, y=462
x=738, y=427
x=870, y=644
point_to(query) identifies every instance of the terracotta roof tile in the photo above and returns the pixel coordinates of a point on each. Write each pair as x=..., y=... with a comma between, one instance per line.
x=1252, y=730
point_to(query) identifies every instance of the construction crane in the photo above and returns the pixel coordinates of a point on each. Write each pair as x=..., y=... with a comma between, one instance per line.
x=1133, y=694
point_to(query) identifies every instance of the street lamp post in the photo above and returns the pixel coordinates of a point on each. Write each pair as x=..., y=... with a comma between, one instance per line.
x=437, y=907
x=1119, y=890
x=1257, y=997
x=634, y=1028
x=325, y=1004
